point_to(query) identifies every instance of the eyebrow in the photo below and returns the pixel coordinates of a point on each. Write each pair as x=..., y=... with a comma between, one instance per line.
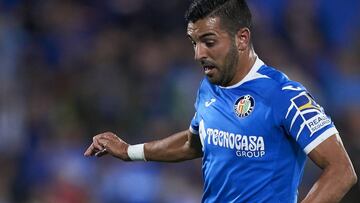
x=202, y=36
x=206, y=35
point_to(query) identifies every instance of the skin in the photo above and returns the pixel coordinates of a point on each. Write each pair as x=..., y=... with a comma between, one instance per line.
x=338, y=174
x=232, y=57
x=210, y=41
x=180, y=146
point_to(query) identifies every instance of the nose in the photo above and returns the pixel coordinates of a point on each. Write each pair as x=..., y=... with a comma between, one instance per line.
x=200, y=52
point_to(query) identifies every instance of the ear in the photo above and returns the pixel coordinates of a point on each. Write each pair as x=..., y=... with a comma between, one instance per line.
x=242, y=39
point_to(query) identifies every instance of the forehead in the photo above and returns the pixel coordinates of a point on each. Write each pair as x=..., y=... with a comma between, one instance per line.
x=203, y=26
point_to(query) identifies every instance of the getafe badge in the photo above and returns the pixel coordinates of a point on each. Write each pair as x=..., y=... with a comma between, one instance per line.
x=244, y=106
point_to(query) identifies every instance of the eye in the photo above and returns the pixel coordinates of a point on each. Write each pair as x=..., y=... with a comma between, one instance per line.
x=209, y=43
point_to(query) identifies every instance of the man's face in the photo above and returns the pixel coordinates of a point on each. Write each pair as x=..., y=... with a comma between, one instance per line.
x=214, y=49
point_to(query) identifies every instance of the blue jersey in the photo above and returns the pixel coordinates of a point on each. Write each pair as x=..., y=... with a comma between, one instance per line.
x=255, y=136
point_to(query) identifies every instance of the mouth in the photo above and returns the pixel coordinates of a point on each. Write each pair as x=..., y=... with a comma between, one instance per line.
x=209, y=69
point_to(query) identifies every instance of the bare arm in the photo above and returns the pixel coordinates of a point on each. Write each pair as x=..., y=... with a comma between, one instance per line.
x=177, y=147
x=338, y=173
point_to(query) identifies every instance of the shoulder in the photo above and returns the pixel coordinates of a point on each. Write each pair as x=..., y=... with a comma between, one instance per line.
x=284, y=93
x=275, y=87
x=279, y=83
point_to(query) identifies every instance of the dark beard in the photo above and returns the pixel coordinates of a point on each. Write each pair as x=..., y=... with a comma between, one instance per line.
x=231, y=61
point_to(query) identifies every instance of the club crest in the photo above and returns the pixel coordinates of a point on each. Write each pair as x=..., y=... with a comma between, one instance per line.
x=244, y=106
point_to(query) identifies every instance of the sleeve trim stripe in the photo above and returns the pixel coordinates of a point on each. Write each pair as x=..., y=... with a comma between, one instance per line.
x=193, y=131
x=329, y=132
x=300, y=130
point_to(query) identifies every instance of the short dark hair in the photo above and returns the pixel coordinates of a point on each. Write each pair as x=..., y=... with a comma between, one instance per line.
x=234, y=14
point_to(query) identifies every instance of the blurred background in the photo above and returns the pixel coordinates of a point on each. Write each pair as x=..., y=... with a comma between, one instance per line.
x=72, y=69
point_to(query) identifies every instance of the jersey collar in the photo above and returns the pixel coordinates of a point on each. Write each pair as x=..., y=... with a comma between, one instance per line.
x=252, y=75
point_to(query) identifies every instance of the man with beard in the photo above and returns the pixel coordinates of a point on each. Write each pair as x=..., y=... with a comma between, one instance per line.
x=253, y=126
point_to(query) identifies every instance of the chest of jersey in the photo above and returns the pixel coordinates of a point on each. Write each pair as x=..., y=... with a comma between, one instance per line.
x=234, y=123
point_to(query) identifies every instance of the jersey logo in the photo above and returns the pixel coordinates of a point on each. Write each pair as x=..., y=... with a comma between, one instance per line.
x=208, y=103
x=290, y=87
x=245, y=146
x=244, y=106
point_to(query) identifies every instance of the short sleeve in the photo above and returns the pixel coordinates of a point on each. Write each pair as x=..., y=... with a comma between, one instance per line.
x=303, y=119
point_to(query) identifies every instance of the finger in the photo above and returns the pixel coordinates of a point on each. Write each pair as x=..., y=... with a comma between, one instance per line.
x=96, y=143
x=90, y=150
x=104, y=143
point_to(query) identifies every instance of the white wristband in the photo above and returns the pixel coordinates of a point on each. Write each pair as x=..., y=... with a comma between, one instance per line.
x=136, y=152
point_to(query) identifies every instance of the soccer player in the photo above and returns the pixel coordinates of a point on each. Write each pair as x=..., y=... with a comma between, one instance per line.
x=253, y=126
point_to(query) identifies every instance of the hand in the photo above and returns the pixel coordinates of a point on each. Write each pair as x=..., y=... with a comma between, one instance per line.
x=108, y=143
